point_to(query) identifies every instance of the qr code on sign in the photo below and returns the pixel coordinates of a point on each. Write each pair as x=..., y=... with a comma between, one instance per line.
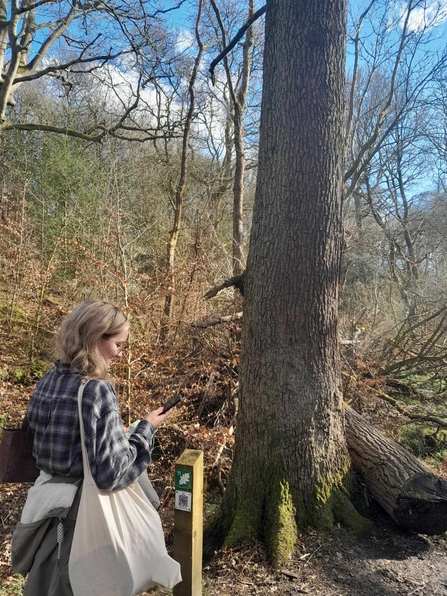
x=183, y=500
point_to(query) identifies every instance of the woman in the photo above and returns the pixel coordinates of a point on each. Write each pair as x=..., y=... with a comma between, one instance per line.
x=92, y=335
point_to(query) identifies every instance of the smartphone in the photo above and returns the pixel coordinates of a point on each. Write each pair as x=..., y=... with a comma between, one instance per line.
x=171, y=403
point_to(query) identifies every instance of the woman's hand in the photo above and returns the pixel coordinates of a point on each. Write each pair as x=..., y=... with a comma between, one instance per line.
x=156, y=417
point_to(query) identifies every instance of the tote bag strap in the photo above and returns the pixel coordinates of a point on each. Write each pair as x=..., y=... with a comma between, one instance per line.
x=87, y=471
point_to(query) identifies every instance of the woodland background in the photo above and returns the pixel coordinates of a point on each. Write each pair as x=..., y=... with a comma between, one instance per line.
x=128, y=173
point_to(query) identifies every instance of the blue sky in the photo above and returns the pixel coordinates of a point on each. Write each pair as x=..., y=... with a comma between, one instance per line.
x=429, y=13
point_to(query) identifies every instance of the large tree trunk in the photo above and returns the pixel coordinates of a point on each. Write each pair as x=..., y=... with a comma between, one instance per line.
x=290, y=455
x=408, y=491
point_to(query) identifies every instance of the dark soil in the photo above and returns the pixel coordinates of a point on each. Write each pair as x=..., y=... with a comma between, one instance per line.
x=386, y=562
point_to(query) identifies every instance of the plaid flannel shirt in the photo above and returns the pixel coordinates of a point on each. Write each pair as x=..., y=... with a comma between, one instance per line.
x=115, y=461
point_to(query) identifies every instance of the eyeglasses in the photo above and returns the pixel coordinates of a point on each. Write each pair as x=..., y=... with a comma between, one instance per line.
x=119, y=346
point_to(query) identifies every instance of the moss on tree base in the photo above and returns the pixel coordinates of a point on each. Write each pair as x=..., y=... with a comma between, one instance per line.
x=276, y=513
x=281, y=531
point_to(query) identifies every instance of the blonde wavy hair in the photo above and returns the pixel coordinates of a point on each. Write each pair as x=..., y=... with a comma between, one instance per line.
x=82, y=328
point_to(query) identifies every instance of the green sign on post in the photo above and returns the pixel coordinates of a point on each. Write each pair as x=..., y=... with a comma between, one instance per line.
x=183, y=479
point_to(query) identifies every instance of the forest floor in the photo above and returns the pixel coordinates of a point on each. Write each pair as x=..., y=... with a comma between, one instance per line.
x=386, y=561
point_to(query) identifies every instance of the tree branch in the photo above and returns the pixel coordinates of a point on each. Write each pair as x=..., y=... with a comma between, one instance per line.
x=66, y=65
x=235, y=39
x=237, y=281
x=94, y=138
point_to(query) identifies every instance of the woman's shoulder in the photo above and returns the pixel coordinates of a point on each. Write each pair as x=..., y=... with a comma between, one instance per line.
x=56, y=383
x=101, y=395
x=60, y=383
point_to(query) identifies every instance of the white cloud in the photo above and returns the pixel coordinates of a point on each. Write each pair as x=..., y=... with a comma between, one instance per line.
x=427, y=15
x=185, y=40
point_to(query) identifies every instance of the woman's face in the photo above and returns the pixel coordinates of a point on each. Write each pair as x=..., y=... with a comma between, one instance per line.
x=112, y=347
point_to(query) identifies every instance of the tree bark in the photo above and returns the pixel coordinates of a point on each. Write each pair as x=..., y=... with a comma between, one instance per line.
x=239, y=101
x=178, y=200
x=238, y=96
x=291, y=455
x=408, y=491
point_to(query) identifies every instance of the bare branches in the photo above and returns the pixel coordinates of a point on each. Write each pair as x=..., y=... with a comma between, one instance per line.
x=28, y=36
x=417, y=417
x=141, y=135
x=235, y=39
x=394, y=64
x=29, y=7
x=179, y=192
x=223, y=54
x=419, y=345
x=99, y=61
x=355, y=74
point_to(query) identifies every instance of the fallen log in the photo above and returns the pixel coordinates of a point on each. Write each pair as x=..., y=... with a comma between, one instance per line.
x=408, y=490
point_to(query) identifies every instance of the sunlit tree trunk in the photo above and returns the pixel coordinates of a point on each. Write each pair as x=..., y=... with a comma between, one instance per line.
x=290, y=455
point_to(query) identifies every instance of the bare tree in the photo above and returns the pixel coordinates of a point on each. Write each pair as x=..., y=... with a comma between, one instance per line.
x=68, y=40
x=392, y=71
x=238, y=97
x=177, y=202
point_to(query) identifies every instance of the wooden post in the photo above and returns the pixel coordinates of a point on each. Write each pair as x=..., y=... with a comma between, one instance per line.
x=188, y=521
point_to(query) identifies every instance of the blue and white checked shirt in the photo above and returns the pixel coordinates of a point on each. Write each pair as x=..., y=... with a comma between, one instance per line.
x=115, y=461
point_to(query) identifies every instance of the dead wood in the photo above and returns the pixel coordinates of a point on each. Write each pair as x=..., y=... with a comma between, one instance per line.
x=408, y=490
x=217, y=320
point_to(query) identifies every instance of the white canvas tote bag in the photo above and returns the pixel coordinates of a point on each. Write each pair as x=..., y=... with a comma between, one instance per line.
x=118, y=544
